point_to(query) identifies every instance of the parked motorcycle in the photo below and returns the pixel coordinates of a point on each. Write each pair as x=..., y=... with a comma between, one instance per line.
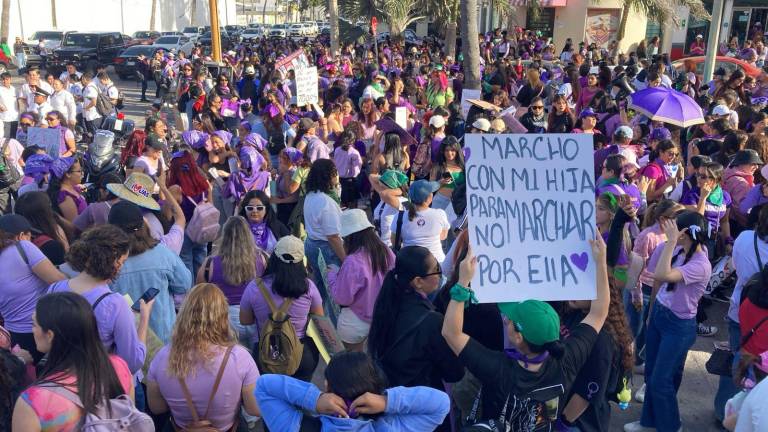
x=100, y=158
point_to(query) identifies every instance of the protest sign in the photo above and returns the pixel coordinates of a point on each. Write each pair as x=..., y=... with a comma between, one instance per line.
x=322, y=331
x=531, y=205
x=401, y=117
x=466, y=95
x=49, y=139
x=306, y=86
x=294, y=60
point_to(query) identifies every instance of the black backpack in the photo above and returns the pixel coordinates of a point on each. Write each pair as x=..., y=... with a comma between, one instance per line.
x=8, y=172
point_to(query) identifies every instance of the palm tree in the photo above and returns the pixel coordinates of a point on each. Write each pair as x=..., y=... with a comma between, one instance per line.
x=333, y=18
x=398, y=14
x=53, y=14
x=469, y=44
x=5, y=18
x=660, y=11
x=193, y=12
x=445, y=14
x=152, y=15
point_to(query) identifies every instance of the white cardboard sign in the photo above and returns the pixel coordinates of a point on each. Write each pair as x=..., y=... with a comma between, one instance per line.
x=465, y=95
x=306, y=86
x=49, y=139
x=531, y=206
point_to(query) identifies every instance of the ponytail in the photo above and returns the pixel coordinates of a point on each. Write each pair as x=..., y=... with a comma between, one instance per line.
x=411, y=210
x=698, y=228
x=385, y=312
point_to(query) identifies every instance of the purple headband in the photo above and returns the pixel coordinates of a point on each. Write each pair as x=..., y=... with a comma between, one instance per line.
x=294, y=154
x=60, y=166
x=255, y=140
x=195, y=139
x=37, y=165
x=224, y=136
x=27, y=116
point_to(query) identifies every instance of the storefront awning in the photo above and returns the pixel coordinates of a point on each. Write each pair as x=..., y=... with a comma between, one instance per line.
x=542, y=3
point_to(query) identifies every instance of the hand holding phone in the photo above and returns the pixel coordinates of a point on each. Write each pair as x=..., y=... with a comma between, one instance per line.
x=148, y=296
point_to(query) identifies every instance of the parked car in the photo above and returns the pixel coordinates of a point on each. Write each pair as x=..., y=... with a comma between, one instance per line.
x=125, y=62
x=146, y=37
x=178, y=43
x=254, y=32
x=86, y=50
x=730, y=64
x=51, y=40
x=226, y=41
x=234, y=30
x=409, y=36
x=311, y=28
x=129, y=41
x=296, y=30
x=171, y=33
x=279, y=31
x=192, y=32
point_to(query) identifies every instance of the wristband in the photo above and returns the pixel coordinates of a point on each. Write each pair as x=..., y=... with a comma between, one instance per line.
x=463, y=295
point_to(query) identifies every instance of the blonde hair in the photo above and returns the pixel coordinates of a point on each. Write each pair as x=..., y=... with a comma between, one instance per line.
x=237, y=251
x=202, y=324
x=533, y=77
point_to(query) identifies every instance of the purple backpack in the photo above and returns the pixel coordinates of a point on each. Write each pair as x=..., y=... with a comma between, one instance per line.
x=123, y=416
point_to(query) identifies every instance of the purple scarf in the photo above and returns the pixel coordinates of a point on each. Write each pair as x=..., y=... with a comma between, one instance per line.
x=260, y=233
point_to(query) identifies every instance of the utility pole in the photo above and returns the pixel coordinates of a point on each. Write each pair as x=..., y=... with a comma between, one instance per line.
x=215, y=33
x=712, y=40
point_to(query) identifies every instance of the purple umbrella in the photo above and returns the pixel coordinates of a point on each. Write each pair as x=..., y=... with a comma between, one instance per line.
x=668, y=106
x=387, y=125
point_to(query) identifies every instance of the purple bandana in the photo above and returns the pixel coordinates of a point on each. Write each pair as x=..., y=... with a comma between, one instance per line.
x=60, y=166
x=195, y=139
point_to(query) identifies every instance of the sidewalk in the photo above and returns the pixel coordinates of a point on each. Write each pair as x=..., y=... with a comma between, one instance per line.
x=697, y=392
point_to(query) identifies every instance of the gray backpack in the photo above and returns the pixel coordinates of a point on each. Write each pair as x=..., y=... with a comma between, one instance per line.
x=124, y=416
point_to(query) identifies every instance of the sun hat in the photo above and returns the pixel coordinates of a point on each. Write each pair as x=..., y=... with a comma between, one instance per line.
x=437, y=121
x=393, y=179
x=661, y=134
x=61, y=166
x=534, y=319
x=746, y=157
x=587, y=112
x=421, y=189
x=14, y=224
x=126, y=215
x=482, y=124
x=624, y=131
x=290, y=250
x=137, y=189
x=721, y=110
x=352, y=221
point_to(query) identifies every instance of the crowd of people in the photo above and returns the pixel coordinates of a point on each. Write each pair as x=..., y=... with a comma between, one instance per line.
x=181, y=290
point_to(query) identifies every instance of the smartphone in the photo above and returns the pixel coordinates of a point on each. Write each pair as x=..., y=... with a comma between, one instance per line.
x=147, y=297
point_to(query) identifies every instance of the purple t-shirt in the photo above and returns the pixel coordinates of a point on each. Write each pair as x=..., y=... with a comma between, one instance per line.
x=299, y=311
x=240, y=371
x=712, y=213
x=20, y=287
x=78, y=199
x=115, y=321
x=95, y=214
x=683, y=301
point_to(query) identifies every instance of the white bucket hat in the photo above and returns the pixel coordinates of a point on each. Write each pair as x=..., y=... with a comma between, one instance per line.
x=352, y=221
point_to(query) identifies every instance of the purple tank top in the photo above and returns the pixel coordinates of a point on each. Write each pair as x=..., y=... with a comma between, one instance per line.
x=77, y=198
x=216, y=276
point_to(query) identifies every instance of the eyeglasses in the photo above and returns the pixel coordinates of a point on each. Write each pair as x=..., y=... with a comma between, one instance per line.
x=673, y=154
x=537, y=107
x=704, y=176
x=256, y=208
x=432, y=274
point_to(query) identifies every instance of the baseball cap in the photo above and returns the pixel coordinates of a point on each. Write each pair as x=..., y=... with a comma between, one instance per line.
x=630, y=156
x=483, y=124
x=587, y=112
x=127, y=216
x=421, y=189
x=290, y=250
x=393, y=179
x=14, y=224
x=661, y=134
x=624, y=131
x=306, y=123
x=534, y=319
x=437, y=121
x=721, y=110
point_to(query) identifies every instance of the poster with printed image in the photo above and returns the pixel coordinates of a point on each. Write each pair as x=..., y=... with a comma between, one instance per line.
x=531, y=207
x=601, y=27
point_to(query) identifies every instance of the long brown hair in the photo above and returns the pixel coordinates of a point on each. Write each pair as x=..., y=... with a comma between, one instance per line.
x=202, y=324
x=376, y=250
x=617, y=326
x=237, y=251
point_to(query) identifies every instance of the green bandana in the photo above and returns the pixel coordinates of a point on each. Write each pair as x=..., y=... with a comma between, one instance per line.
x=716, y=196
x=334, y=197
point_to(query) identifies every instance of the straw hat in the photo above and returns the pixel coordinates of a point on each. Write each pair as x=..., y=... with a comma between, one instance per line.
x=137, y=189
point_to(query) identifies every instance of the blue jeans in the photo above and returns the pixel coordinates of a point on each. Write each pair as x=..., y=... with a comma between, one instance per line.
x=313, y=248
x=192, y=255
x=667, y=342
x=727, y=388
x=139, y=396
x=244, y=332
x=637, y=319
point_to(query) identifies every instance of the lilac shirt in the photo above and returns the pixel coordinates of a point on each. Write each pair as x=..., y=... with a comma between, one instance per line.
x=299, y=311
x=116, y=323
x=683, y=301
x=241, y=371
x=316, y=149
x=78, y=199
x=19, y=287
x=753, y=199
x=354, y=284
x=234, y=293
x=95, y=214
x=712, y=213
x=348, y=162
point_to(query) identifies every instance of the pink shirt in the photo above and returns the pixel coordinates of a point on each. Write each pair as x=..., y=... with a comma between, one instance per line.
x=647, y=241
x=737, y=183
x=356, y=286
x=683, y=301
x=348, y=162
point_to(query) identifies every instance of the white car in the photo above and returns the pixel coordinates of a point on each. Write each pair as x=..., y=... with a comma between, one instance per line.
x=311, y=28
x=192, y=32
x=279, y=30
x=255, y=32
x=409, y=36
x=177, y=43
x=296, y=30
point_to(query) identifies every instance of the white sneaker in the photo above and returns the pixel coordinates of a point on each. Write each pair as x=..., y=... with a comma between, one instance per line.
x=635, y=426
x=640, y=394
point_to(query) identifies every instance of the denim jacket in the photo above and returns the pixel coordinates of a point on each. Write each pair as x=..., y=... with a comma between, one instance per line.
x=157, y=268
x=282, y=399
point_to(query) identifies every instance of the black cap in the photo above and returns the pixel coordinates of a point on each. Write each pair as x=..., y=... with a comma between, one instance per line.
x=154, y=142
x=746, y=157
x=127, y=216
x=40, y=92
x=14, y=224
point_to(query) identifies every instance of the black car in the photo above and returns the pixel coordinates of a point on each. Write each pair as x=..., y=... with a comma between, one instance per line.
x=226, y=41
x=87, y=50
x=125, y=63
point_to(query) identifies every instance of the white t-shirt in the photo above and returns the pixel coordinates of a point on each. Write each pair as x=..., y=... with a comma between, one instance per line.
x=149, y=166
x=753, y=416
x=424, y=230
x=64, y=102
x=90, y=93
x=64, y=77
x=322, y=216
x=385, y=213
x=8, y=99
x=29, y=95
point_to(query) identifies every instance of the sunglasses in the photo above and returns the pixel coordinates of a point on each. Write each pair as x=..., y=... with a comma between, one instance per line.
x=432, y=274
x=25, y=124
x=538, y=107
x=704, y=176
x=256, y=208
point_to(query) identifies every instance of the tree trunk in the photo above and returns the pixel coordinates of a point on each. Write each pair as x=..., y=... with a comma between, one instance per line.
x=264, y=13
x=450, y=39
x=53, y=14
x=5, y=18
x=333, y=18
x=152, y=16
x=623, y=23
x=193, y=13
x=469, y=44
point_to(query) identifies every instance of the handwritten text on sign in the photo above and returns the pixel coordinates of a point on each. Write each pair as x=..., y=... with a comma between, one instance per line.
x=306, y=86
x=531, y=204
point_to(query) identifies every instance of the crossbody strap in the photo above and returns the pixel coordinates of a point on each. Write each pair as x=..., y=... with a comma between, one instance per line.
x=757, y=254
x=22, y=253
x=98, y=300
x=747, y=336
x=188, y=397
x=287, y=301
x=208, y=267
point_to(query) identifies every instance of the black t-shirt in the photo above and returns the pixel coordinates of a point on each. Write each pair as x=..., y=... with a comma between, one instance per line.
x=527, y=401
x=595, y=379
x=52, y=249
